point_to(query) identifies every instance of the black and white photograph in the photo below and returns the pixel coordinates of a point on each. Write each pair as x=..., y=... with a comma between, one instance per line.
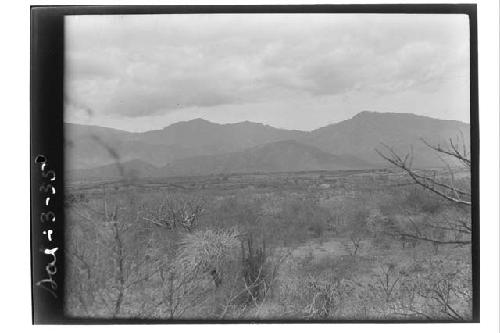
x=255, y=164
x=268, y=167
x=280, y=166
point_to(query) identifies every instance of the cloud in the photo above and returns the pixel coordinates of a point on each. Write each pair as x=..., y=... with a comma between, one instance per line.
x=136, y=66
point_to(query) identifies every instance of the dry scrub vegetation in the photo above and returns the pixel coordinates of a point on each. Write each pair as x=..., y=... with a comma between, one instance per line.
x=309, y=251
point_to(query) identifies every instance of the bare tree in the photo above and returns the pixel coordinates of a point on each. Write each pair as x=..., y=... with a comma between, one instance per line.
x=172, y=214
x=113, y=266
x=387, y=281
x=445, y=187
x=448, y=190
x=437, y=293
x=354, y=244
x=358, y=231
x=328, y=297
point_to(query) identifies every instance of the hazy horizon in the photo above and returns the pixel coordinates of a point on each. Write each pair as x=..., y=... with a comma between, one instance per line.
x=254, y=122
x=292, y=71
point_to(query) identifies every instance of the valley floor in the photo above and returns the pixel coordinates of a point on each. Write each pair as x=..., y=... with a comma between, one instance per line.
x=308, y=246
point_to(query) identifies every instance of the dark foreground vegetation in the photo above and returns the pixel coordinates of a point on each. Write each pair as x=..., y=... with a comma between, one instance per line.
x=366, y=245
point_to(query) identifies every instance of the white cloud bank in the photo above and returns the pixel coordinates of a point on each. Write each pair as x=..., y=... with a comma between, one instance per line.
x=288, y=70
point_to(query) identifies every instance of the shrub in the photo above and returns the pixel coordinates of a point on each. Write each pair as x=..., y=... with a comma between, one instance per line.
x=325, y=296
x=207, y=251
x=419, y=200
x=254, y=270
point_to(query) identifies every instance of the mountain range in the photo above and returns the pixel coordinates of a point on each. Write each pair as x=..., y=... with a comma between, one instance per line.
x=200, y=147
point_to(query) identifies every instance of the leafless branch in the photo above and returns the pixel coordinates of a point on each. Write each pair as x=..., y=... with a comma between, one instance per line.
x=426, y=182
x=453, y=151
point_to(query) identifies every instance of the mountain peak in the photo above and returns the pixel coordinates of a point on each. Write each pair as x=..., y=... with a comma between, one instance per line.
x=196, y=122
x=366, y=112
x=369, y=114
x=391, y=115
x=204, y=122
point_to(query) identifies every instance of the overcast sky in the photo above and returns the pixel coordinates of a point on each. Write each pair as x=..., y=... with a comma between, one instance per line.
x=296, y=71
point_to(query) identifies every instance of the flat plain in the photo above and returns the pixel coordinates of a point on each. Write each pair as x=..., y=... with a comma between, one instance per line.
x=323, y=245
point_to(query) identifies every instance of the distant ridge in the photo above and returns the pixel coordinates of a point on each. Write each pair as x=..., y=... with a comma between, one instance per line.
x=366, y=130
x=202, y=120
x=285, y=156
x=237, y=146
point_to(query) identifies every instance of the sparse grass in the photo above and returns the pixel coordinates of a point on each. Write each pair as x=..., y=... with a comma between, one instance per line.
x=179, y=273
